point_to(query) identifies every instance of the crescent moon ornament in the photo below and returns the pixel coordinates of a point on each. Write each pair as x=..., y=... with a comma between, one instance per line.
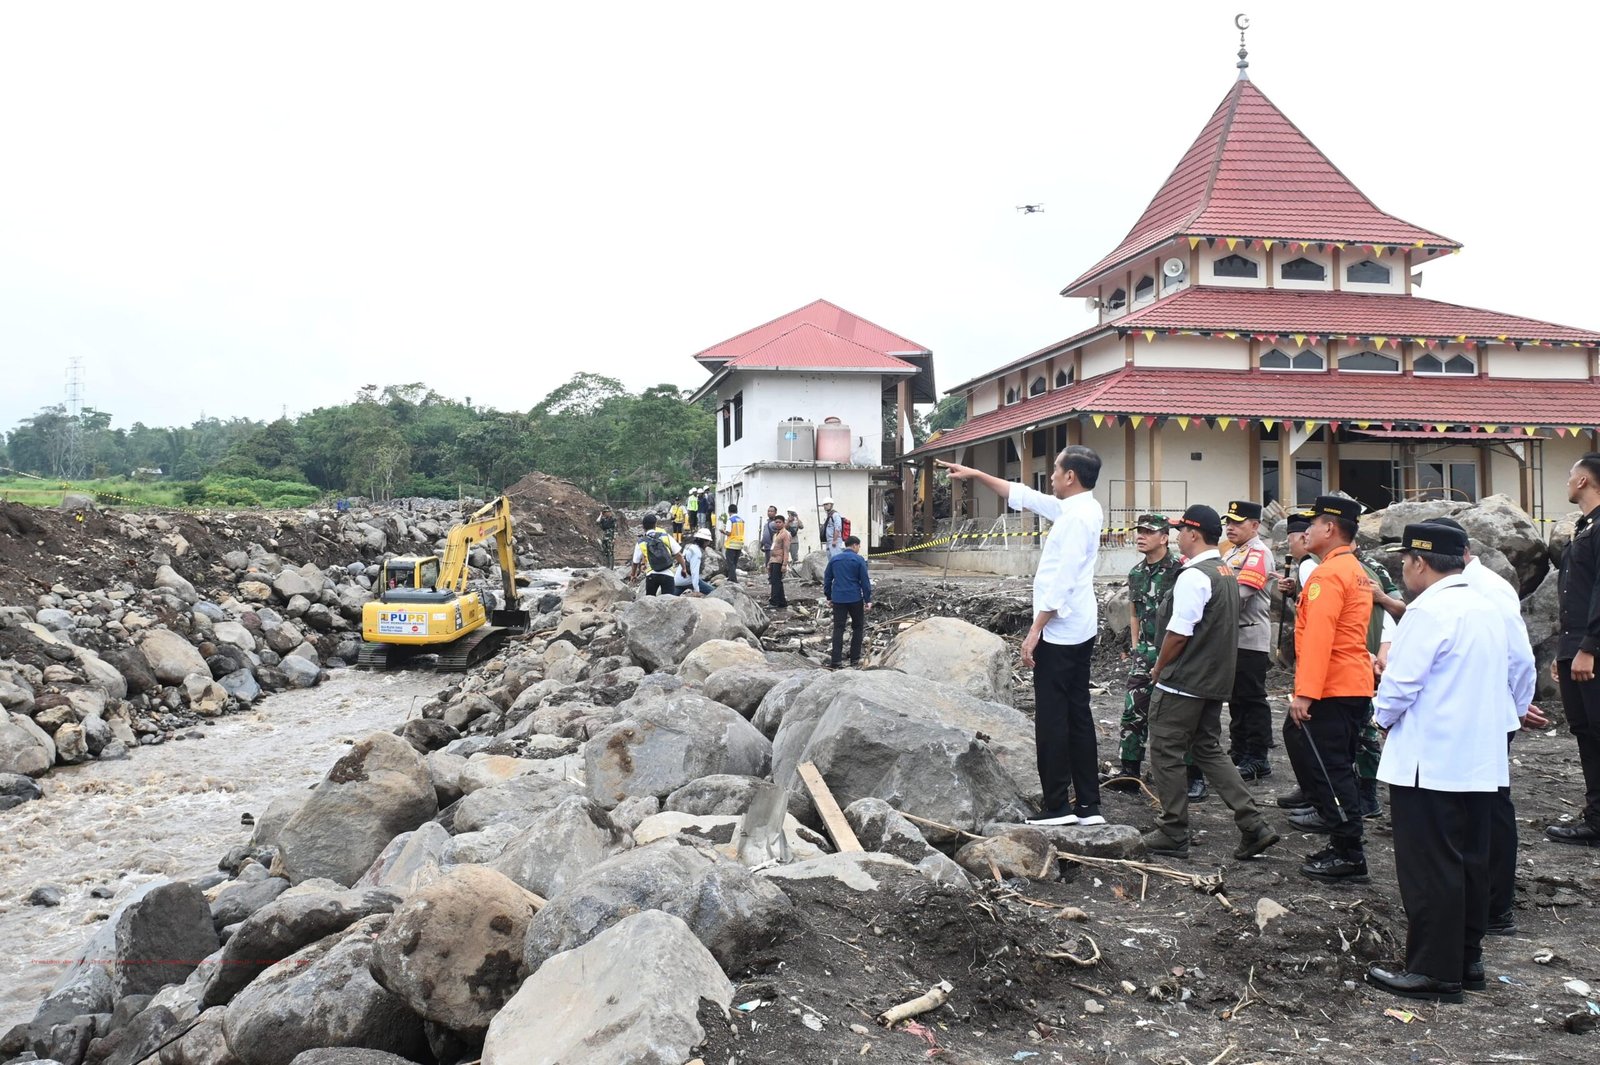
x=1242, y=22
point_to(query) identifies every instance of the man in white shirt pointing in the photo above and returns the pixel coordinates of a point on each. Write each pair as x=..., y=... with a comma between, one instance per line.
x=1060, y=642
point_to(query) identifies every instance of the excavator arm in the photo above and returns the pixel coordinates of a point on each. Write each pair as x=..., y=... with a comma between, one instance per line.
x=491, y=520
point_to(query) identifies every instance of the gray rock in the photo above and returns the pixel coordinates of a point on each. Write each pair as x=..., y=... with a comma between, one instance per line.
x=46, y=895
x=291, y=583
x=1023, y=851
x=598, y=593
x=174, y=582
x=910, y=742
x=239, y=900
x=25, y=748
x=209, y=610
x=954, y=652
x=411, y=861
x=348, y=1056
x=1541, y=613
x=734, y=913
x=241, y=684
x=813, y=566
x=279, y=810
x=880, y=827
x=16, y=789
x=205, y=1043
x=518, y=802
x=205, y=696
x=445, y=771
x=629, y=813
x=715, y=655
x=300, y=672
x=282, y=927
x=171, y=657
x=580, y=1007
x=72, y=746
x=1499, y=522
x=719, y=793
x=1389, y=524
x=660, y=631
x=666, y=743
x=575, y=720
x=485, y=770
x=323, y=996
x=379, y=789
x=56, y=620
x=741, y=687
x=480, y=848
x=863, y=872
x=453, y=953
x=161, y=937
x=561, y=844
x=233, y=634
x=752, y=613
x=779, y=698
x=139, y=1040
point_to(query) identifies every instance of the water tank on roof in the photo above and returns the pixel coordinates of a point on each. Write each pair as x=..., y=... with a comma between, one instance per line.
x=797, y=441
x=833, y=441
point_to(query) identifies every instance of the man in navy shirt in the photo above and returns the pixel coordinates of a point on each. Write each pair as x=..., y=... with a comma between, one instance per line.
x=846, y=584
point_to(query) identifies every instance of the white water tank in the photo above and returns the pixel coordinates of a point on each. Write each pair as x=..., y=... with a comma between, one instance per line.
x=833, y=441
x=797, y=441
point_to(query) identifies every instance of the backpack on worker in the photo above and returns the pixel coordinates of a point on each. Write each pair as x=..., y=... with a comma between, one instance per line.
x=844, y=528
x=656, y=551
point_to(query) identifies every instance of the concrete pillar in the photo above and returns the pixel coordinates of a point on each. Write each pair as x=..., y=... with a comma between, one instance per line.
x=1155, y=466
x=1286, y=480
x=1330, y=476
x=902, y=510
x=1486, y=468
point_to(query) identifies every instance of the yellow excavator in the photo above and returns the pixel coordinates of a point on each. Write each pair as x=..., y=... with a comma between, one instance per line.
x=424, y=613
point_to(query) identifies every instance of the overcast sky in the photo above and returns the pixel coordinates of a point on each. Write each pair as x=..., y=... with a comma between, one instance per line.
x=239, y=209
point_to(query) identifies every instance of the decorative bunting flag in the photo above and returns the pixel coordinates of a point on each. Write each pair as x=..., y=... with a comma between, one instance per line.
x=1530, y=429
x=1387, y=425
x=1111, y=421
x=1269, y=423
x=1574, y=429
x=1150, y=336
x=1231, y=336
x=1333, y=427
x=1501, y=338
x=1380, y=341
x=1267, y=244
x=1232, y=242
x=1377, y=250
x=1223, y=423
x=1362, y=425
x=1211, y=242
x=1300, y=339
x=1136, y=420
x=1098, y=419
x=1440, y=428
x=1194, y=242
x=1307, y=426
x=1419, y=243
x=1462, y=339
x=1491, y=428
x=1337, y=244
x=1561, y=430
x=1183, y=422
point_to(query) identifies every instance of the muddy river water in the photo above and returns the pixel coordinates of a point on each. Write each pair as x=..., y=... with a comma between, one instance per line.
x=167, y=810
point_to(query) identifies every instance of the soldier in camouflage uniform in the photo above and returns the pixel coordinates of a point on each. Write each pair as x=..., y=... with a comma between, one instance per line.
x=608, y=537
x=1148, y=583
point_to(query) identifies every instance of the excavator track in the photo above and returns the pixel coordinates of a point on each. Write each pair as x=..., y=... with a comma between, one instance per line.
x=471, y=649
x=377, y=656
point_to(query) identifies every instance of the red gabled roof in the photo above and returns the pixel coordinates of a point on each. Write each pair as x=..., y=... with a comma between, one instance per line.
x=824, y=315
x=1252, y=173
x=807, y=347
x=1258, y=394
x=1258, y=310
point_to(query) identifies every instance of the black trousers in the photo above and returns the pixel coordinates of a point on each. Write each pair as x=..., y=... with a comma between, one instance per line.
x=1441, y=859
x=1249, y=714
x=1063, y=726
x=856, y=614
x=660, y=584
x=1335, y=731
x=775, y=576
x=732, y=555
x=1502, y=848
x=1581, y=703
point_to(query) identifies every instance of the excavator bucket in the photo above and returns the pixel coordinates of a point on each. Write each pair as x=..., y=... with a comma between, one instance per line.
x=515, y=620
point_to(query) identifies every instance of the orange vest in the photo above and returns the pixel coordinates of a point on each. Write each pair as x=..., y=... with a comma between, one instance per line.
x=1330, y=630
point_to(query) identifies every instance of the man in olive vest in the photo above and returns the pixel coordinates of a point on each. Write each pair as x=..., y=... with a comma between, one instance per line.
x=1193, y=674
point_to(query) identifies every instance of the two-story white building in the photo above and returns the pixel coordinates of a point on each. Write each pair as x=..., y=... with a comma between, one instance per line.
x=1258, y=337
x=801, y=409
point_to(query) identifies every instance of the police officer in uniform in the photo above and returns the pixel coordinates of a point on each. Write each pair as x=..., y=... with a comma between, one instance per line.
x=1333, y=685
x=1149, y=581
x=1580, y=642
x=1249, y=715
x=1446, y=699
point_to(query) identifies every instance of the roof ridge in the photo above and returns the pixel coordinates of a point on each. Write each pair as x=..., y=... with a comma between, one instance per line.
x=917, y=348
x=763, y=325
x=1222, y=146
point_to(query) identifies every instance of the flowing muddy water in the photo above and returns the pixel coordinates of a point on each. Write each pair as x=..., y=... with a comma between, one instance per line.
x=168, y=810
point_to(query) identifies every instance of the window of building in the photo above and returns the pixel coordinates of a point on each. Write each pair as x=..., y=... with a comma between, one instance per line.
x=1011, y=395
x=1308, y=481
x=1061, y=437
x=1040, y=444
x=1062, y=380
x=1456, y=364
x=1145, y=288
x=1367, y=272
x=733, y=419
x=1281, y=360
x=1303, y=269
x=1037, y=387
x=1448, y=480
x=1369, y=362
x=1011, y=451
x=1235, y=266
x=1119, y=298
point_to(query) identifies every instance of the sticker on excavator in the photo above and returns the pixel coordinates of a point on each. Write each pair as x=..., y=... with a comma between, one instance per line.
x=402, y=623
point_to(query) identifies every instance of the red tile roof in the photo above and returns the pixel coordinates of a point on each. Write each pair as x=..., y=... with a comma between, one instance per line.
x=1257, y=394
x=806, y=347
x=1285, y=313
x=1252, y=173
x=824, y=315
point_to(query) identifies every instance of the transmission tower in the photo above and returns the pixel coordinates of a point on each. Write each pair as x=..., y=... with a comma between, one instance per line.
x=72, y=464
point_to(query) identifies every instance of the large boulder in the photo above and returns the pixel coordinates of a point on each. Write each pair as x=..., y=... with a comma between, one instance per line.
x=780, y=697
x=161, y=937
x=453, y=952
x=25, y=748
x=306, y=581
x=1501, y=524
x=733, y=912
x=378, y=790
x=559, y=845
x=751, y=612
x=716, y=655
x=171, y=657
x=1389, y=524
x=280, y=928
x=666, y=742
x=954, y=652
x=741, y=688
x=661, y=630
x=517, y=802
x=323, y=996
x=922, y=747
x=174, y=582
x=581, y=1007
x=597, y=593
x=720, y=793
x=813, y=567
x=1541, y=613
x=880, y=827
x=412, y=860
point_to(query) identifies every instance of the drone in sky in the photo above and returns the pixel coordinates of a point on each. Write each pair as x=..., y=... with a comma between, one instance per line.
x=1032, y=208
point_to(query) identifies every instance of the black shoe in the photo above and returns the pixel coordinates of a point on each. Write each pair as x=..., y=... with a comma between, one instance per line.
x=1089, y=815
x=1254, y=769
x=1198, y=790
x=1371, y=805
x=1253, y=843
x=1502, y=924
x=1124, y=779
x=1308, y=820
x=1581, y=834
x=1159, y=843
x=1337, y=869
x=1397, y=981
x=1472, y=977
x=1326, y=852
x=1295, y=800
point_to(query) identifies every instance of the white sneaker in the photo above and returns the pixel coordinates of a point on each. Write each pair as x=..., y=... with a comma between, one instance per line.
x=1055, y=819
x=1090, y=819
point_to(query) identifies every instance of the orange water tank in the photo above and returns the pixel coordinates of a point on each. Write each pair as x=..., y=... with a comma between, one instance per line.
x=833, y=441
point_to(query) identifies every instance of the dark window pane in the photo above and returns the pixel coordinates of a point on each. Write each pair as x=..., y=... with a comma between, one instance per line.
x=1011, y=451
x=1304, y=269
x=1235, y=266
x=1428, y=364
x=1460, y=364
x=1367, y=272
x=1269, y=481
x=1370, y=361
x=1040, y=445
x=1011, y=395
x=1061, y=378
x=1037, y=387
x=1118, y=298
x=1309, y=360
x=1275, y=360
x=1145, y=287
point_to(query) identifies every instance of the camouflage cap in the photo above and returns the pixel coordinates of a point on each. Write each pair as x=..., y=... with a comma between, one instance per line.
x=1151, y=523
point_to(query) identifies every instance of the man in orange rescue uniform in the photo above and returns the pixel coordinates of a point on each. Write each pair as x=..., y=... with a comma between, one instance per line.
x=1332, y=688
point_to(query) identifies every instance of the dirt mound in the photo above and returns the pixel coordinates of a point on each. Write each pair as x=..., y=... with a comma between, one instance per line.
x=555, y=521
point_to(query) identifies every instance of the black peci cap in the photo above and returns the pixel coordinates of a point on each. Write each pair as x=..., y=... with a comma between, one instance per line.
x=1438, y=539
x=1200, y=517
x=1337, y=507
x=1243, y=510
x=1300, y=520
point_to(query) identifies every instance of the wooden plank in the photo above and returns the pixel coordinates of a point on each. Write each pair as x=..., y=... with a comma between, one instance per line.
x=832, y=816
